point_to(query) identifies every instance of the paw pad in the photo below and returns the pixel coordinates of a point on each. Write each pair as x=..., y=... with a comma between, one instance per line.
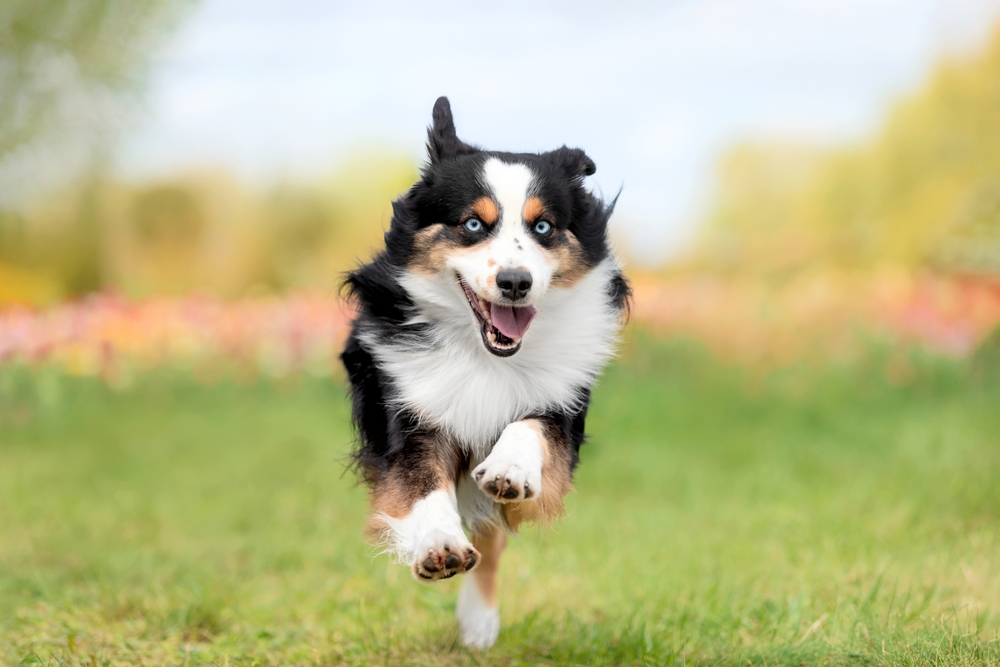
x=444, y=562
x=510, y=485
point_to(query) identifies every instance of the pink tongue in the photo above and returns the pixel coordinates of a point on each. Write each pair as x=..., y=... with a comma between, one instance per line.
x=512, y=322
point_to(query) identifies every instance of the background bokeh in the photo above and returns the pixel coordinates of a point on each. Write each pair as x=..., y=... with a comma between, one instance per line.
x=798, y=170
x=802, y=418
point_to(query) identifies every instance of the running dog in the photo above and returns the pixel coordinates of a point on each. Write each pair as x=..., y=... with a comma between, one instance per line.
x=480, y=330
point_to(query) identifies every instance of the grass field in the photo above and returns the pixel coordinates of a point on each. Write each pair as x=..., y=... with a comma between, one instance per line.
x=721, y=517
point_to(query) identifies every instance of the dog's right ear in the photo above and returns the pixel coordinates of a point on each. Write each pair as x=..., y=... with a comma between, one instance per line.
x=442, y=141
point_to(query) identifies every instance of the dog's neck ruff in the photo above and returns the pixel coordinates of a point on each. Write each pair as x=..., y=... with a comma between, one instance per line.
x=447, y=379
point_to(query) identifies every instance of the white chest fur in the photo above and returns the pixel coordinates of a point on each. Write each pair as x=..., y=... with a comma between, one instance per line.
x=454, y=383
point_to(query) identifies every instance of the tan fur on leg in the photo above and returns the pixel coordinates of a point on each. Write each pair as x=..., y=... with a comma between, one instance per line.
x=490, y=546
x=556, y=483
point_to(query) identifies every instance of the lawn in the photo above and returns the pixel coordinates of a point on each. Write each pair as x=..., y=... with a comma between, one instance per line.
x=818, y=515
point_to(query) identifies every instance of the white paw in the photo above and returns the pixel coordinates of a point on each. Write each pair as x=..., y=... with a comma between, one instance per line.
x=430, y=538
x=513, y=470
x=478, y=623
x=442, y=554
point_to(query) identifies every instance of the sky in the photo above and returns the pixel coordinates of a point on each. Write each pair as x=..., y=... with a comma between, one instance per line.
x=654, y=92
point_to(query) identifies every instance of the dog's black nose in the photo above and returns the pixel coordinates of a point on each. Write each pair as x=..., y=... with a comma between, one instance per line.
x=514, y=284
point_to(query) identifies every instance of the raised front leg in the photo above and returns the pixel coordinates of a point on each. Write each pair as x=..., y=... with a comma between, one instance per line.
x=529, y=471
x=416, y=512
x=513, y=470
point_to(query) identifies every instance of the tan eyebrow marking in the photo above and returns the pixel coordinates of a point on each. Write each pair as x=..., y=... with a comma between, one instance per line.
x=533, y=209
x=485, y=209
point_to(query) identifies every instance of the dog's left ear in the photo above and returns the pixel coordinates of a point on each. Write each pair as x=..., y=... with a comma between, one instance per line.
x=573, y=161
x=442, y=141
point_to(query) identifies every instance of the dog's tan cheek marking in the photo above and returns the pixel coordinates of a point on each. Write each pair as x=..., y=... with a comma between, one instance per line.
x=567, y=260
x=556, y=483
x=432, y=248
x=533, y=209
x=489, y=545
x=486, y=210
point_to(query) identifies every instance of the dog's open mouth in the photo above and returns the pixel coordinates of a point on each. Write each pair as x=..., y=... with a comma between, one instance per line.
x=502, y=326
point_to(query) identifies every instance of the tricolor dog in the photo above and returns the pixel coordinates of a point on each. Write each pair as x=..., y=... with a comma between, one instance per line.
x=480, y=330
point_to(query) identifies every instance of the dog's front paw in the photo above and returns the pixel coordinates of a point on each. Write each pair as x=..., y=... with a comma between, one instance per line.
x=513, y=470
x=506, y=481
x=441, y=556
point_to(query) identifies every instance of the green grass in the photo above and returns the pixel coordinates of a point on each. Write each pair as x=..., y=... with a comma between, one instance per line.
x=721, y=517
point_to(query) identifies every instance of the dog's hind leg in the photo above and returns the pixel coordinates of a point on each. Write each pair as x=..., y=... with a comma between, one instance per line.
x=416, y=511
x=477, y=610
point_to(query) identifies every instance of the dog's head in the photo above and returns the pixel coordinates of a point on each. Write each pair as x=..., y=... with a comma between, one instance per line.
x=492, y=233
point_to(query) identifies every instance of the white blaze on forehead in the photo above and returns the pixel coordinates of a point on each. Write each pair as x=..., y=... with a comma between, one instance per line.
x=510, y=183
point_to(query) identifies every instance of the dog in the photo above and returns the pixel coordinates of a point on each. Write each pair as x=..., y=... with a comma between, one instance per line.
x=479, y=332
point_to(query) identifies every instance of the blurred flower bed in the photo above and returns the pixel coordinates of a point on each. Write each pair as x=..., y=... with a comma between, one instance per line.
x=113, y=338
x=822, y=318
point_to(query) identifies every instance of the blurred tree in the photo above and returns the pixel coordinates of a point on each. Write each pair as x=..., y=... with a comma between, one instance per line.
x=924, y=191
x=204, y=230
x=54, y=54
x=313, y=233
x=973, y=241
x=360, y=194
x=298, y=226
x=168, y=216
x=68, y=68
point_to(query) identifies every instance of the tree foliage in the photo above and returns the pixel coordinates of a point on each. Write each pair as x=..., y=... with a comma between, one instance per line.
x=69, y=70
x=59, y=56
x=924, y=191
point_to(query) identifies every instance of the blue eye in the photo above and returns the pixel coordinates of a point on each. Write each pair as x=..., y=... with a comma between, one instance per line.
x=543, y=227
x=473, y=225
